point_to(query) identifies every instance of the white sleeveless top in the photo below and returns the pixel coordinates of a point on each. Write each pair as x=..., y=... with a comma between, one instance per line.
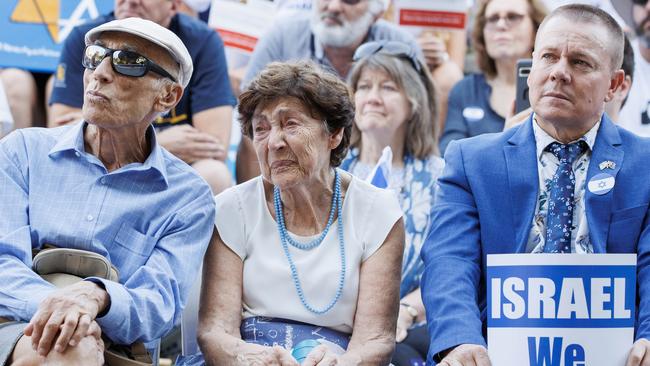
x=248, y=229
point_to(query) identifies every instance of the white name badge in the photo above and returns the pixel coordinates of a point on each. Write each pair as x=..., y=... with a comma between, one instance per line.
x=560, y=309
x=473, y=113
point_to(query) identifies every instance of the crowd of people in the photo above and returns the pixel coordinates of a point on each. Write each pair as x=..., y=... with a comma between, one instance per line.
x=341, y=218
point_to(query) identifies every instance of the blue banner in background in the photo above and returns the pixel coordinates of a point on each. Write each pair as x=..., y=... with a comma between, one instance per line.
x=33, y=31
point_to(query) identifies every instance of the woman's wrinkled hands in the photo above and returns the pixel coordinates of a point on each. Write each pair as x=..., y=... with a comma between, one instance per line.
x=322, y=356
x=256, y=355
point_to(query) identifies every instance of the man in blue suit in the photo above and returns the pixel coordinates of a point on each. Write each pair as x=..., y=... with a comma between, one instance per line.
x=509, y=192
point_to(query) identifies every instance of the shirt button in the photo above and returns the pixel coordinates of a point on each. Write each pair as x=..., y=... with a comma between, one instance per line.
x=102, y=181
x=89, y=217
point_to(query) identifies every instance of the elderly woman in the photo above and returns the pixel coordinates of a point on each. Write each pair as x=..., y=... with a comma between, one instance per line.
x=395, y=106
x=504, y=31
x=304, y=263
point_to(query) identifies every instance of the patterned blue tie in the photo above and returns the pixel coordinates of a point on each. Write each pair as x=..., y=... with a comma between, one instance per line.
x=559, y=219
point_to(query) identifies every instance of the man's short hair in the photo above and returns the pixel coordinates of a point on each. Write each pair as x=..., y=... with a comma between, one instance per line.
x=628, y=63
x=628, y=58
x=581, y=13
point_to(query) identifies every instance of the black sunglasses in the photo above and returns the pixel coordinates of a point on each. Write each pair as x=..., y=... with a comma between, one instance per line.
x=391, y=48
x=640, y=2
x=124, y=62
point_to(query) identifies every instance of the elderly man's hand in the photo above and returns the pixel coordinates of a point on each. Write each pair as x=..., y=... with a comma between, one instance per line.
x=467, y=355
x=433, y=48
x=189, y=144
x=66, y=316
x=640, y=353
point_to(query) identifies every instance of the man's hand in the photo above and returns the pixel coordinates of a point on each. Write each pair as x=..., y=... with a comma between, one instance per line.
x=189, y=144
x=67, y=119
x=640, y=353
x=467, y=355
x=433, y=48
x=66, y=316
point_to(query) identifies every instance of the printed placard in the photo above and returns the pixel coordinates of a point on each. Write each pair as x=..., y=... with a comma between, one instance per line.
x=33, y=31
x=434, y=14
x=240, y=25
x=560, y=309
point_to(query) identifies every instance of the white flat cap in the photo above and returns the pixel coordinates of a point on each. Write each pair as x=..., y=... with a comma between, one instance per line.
x=152, y=32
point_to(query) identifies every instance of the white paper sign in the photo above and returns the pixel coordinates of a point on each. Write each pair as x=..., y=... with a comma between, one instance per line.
x=437, y=14
x=240, y=25
x=560, y=309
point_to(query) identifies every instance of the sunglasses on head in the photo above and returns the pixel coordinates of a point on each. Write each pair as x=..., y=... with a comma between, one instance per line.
x=124, y=62
x=391, y=48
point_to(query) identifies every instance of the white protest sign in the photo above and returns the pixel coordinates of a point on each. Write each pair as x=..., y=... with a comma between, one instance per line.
x=240, y=25
x=560, y=309
x=439, y=14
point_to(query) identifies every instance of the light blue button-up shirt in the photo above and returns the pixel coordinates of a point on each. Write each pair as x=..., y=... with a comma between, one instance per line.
x=153, y=220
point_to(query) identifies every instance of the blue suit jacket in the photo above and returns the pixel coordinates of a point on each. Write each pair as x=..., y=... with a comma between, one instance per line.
x=485, y=205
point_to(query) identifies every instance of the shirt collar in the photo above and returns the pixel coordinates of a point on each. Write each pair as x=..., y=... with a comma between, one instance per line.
x=543, y=139
x=73, y=140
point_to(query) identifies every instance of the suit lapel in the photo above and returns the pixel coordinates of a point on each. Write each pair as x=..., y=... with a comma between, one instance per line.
x=521, y=162
x=599, y=207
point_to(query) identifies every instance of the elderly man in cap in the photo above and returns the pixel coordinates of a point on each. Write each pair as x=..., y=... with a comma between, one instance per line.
x=105, y=186
x=565, y=181
x=197, y=129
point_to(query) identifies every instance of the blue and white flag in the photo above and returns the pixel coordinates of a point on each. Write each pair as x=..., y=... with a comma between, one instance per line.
x=33, y=31
x=380, y=174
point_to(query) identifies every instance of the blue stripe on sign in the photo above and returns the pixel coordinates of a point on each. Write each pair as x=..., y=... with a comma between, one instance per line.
x=557, y=274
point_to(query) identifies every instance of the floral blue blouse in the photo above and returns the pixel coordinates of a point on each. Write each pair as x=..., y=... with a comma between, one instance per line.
x=416, y=186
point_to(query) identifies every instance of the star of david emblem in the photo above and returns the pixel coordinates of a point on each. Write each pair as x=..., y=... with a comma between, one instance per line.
x=48, y=13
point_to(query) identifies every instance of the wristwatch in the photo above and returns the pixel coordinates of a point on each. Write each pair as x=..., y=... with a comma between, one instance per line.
x=411, y=310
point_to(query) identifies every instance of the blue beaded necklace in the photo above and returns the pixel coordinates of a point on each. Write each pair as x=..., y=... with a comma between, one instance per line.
x=285, y=239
